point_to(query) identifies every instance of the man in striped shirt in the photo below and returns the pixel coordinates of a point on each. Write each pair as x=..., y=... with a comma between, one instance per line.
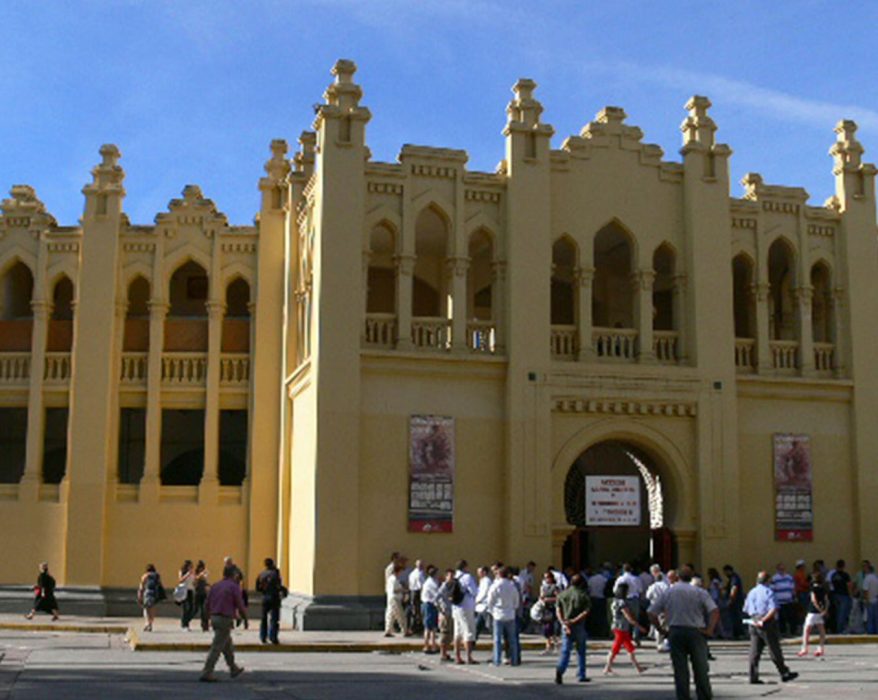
x=784, y=587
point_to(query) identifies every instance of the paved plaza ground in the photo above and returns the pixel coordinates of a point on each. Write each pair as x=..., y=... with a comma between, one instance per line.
x=61, y=665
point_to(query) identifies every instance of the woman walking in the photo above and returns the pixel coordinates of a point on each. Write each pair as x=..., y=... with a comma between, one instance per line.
x=817, y=608
x=44, y=594
x=187, y=578
x=549, y=596
x=149, y=593
x=201, y=587
x=623, y=624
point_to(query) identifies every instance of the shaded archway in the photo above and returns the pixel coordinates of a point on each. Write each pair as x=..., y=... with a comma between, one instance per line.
x=563, y=300
x=16, y=316
x=186, y=324
x=782, y=282
x=136, y=336
x=614, y=497
x=613, y=297
x=381, y=283
x=430, y=297
x=236, y=323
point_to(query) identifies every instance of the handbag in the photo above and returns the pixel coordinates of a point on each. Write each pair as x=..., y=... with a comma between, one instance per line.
x=180, y=592
x=538, y=611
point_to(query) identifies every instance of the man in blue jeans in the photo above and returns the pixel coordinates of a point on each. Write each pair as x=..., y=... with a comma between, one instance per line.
x=269, y=583
x=503, y=602
x=572, y=610
x=841, y=587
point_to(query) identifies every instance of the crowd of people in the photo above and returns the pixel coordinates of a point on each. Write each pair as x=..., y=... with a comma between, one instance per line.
x=680, y=610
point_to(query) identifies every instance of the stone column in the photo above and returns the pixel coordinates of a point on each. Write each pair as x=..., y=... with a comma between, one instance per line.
x=456, y=269
x=642, y=283
x=121, y=314
x=36, y=418
x=405, y=270
x=367, y=257
x=208, y=489
x=761, y=292
x=583, y=279
x=151, y=481
x=498, y=305
x=680, y=282
x=838, y=333
x=804, y=297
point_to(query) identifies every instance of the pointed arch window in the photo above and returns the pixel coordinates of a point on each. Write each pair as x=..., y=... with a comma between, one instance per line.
x=613, y=296
x=16, y=315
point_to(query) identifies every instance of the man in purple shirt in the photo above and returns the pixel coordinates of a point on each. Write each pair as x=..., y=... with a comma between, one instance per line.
x=223, y=602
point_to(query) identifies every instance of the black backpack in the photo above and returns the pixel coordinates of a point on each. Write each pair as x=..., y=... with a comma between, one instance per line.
x=457, y=594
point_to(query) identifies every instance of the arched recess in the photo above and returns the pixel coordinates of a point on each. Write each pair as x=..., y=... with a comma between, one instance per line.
x=60, y=337
x=565, y=258
x=821, y=303
x=186, y=325
x=782, y=283
x=236, y=323
x=664, y=263
x=136, y=337
x=16, y=314
x=381, y=281
x=744, y=302
x=613, y=296
x=480, y=276
x=430, y=293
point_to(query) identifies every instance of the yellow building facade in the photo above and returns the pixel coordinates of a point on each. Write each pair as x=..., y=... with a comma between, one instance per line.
x=193, y=389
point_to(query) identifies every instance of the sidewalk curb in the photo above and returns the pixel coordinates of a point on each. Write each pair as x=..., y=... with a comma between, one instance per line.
x=50, y=627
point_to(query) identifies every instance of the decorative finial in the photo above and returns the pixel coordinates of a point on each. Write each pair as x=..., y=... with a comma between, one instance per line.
x=698, y=128
x=847, y=151
x=277, y=167
x=344, y=70
x=110, y=155
x=524, y=109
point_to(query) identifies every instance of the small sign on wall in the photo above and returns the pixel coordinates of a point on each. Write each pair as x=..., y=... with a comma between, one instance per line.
x=793, y=497
x=431, y=474
x=612, y=500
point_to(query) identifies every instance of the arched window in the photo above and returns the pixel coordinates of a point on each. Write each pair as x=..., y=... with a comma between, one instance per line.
x=563, y=291
x=430, y=289
x=821, y=305
x=612, y=299
x=663, y=264
x=480, y=277
x=137, y=317
x=744, y=303
x=16, y=316
x=781, y=278
x=381, y=285
x=60, y=338
x=186, y=325
x=16, y=292
x=236, y=324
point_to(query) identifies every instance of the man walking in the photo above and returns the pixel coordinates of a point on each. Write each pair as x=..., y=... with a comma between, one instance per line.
x=572, y=610
x=635, y=590
x=270, y=585
x=784, y=587
x=503, y=601
x=761, y=605
x=685, y=608
x=224, y=601
x=653, y=593
x=394, y=612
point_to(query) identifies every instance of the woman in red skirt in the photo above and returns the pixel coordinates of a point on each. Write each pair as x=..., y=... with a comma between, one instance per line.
x=623, y=623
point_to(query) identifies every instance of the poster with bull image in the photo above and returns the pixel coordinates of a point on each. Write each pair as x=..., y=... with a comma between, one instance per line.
x=431, y=474
x=793, y=506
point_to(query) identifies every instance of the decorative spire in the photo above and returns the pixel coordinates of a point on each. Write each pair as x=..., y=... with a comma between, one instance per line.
x=108, y=174
x=344, y=92
x=23, y=207
x=698, y=128
x=524, y=110
x=847, y=151
x=278, y=167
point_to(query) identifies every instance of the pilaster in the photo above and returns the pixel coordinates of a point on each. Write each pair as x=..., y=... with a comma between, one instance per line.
x=804, y=297
x=583, y=280
x=642, y=283
x=151, y=481
x=405, y=271
x=498, y=304
x=456, y=270
x=761, y=293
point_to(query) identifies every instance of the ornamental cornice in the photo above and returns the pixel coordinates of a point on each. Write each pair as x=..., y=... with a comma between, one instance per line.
x=819, y=230
x=384, y=188
x=625, y=407
x=742, y=222
x=482, y=196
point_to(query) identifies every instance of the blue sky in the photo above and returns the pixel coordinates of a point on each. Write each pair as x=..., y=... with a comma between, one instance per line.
x=193, y=91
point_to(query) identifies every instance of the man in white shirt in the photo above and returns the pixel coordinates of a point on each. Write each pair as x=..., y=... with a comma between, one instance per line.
x=464, y=613
x=653, y=593
x=870, y=595
x=430, y=610
x=503, y=603
x=416, y=583
x=394, y=612
x=483, y=614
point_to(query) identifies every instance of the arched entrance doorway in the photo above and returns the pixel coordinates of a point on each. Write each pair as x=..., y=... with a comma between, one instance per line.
x=615, y=499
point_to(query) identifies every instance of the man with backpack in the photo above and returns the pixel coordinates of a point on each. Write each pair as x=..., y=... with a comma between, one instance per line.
x=271, y=586
x=463, y=604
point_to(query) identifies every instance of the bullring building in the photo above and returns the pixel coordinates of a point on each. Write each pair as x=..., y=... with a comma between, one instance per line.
x=589, y=353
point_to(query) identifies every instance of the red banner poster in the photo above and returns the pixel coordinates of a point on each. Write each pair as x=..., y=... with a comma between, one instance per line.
x=793, y=506
x=431, y=474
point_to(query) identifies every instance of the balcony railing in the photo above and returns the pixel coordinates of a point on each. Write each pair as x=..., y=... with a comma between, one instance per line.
x=615, y=343
x=431, y=333
x=57, y=369
x=745, y=355
x=563, y=339
x=14, y=368
x=184, y=369
x=234, y=369
x=480, y=336
x=784, y=355
x=824, y=357
x=134, y=367
x=381, y=330
x=664, y=344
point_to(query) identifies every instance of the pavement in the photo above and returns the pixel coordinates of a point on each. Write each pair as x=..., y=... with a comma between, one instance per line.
x=56, y=665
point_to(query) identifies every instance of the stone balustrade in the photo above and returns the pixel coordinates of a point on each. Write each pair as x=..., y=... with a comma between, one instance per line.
x=784, y=355
x=824, y=357
x=184, y=369
x=615, y=343
x=135, y=366
x=14, y=368
x=664, y=345
x=381, y=330
x=480, y=336
x=432, y=333
x=57, y=368
x=563, y=339
x=745, y=355
x=234, y=369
